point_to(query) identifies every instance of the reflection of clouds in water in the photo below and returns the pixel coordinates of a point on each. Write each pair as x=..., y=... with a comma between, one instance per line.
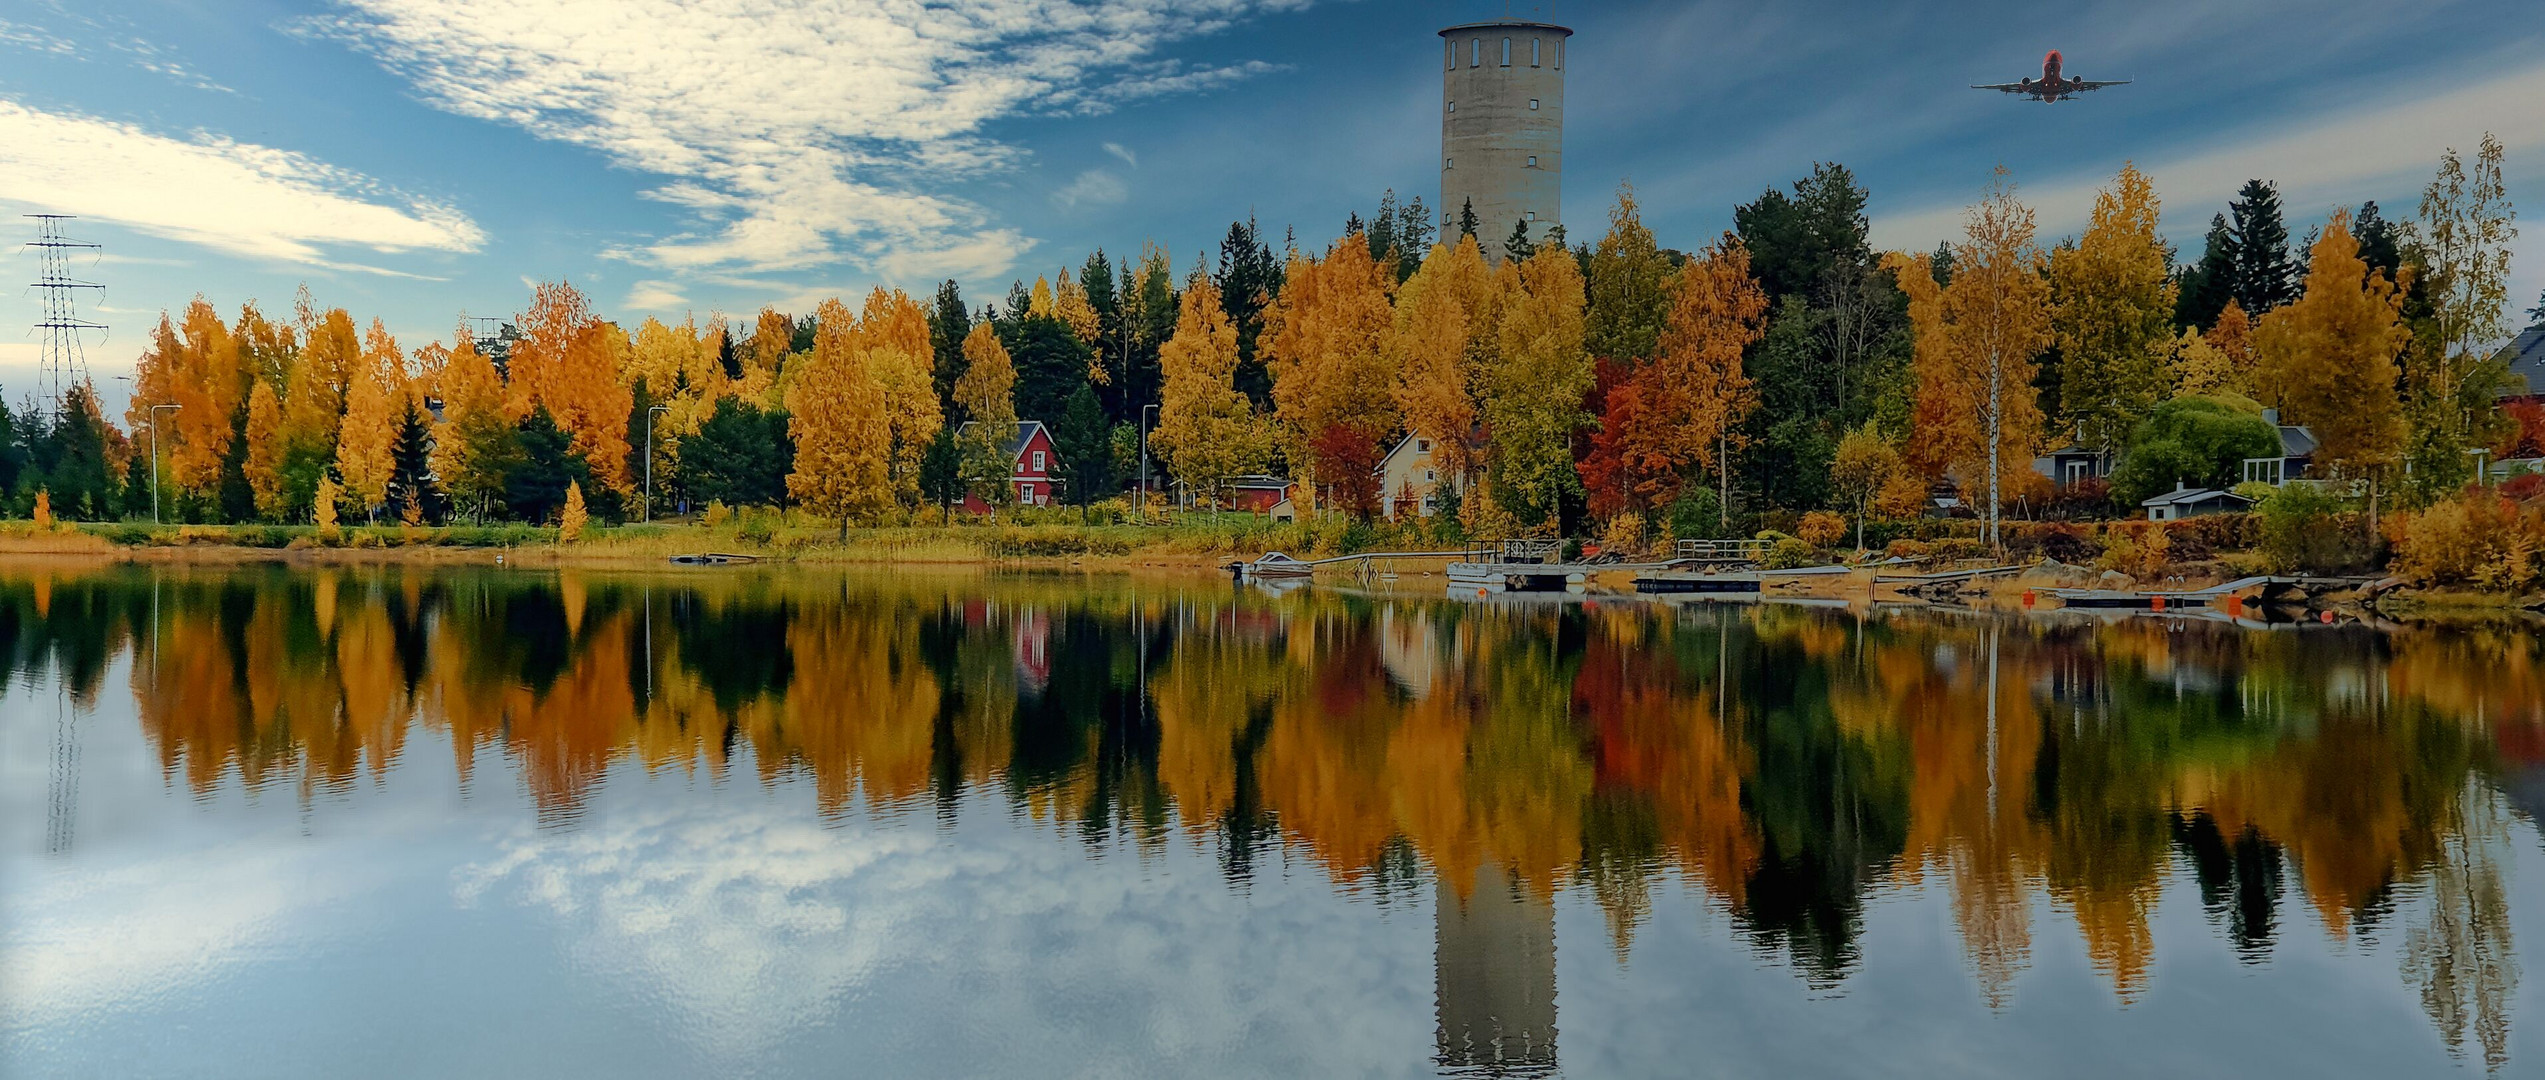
x=159, y=924
x=994, y=948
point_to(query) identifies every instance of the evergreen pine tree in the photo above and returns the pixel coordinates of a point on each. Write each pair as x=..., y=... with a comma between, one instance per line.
x=1467, y=221
x=941, y=472
x=1518, y=247
x=2266, y=275
x=13, y=454
x=2536, y=315
x=2381, y=242
x=948, y=324
x=1085, y=446
x=136, y=490
x=411, y=480
x=238, y=498
x=1249, y=278
x=2208, y=284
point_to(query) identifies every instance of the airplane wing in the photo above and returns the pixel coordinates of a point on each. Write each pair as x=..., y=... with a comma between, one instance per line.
x=2090, y=84
x=2011, y=88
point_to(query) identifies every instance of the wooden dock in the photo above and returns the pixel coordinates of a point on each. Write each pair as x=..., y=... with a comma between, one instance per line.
x=2260, y=591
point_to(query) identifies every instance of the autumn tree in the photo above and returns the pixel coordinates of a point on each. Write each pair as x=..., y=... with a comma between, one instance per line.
x=1428, y=347
x=1533, y=394
x=2112, y=315
x=1206, y=430
x=568, y=360
x=2332, y=357
x=196, y=367
x=986, y=394
x=1326, y=343
x=2454, y=377
x=1978, y=340
x=1679, y=412
x=375, y=400
x=314, y=404
x=893, y=329
x=474, y=440
x=1865, y=462
x=836, y=416
x=1629, y=286
x=265, y=450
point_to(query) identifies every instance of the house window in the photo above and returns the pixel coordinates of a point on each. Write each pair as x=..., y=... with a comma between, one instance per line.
x=1533, y=104
x=1430, y=475
x=1026, y=491
x=1422, y=446
x=1506, y=52
x=1427, y=506
x=1533, y=52
x=1038, y=461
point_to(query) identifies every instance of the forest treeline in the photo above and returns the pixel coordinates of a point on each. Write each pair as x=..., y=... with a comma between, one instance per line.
x=1617, y=387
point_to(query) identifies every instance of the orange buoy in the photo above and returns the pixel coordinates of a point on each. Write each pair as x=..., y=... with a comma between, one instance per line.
x=2028, y=598
x=2156, y=603
x=2326, y=618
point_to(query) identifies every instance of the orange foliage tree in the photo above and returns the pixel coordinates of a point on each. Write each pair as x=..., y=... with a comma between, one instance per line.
x=2331, y=356
x=1325, y=341
x=569, y=360
x=836, y=415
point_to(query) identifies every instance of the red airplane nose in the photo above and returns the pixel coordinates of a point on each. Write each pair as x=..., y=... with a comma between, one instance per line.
x=2053, y=58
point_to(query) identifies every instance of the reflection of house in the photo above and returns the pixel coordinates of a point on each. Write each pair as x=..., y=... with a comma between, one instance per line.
x=1030, y=638
x=2190, y=502
x=1030, y=446
x=1253, y=493
x=1493, y=956
x=1409, y=480
x=1409, y=650
x=2525, y=357
x=2297, y=454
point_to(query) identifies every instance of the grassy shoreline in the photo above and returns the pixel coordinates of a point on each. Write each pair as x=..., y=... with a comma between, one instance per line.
x=1185, y=544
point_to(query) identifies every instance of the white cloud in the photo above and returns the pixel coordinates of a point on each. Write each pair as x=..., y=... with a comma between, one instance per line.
x=1123, y=152
x=1094, y=187
x=2332, y=159
x=236, y=197
x=799, y=132
x=654, y=296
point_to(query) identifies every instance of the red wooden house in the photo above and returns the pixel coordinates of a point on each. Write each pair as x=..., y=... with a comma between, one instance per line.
x=1030, y=446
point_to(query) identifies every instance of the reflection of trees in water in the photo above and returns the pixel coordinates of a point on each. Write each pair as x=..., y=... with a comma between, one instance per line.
x=1783, y=763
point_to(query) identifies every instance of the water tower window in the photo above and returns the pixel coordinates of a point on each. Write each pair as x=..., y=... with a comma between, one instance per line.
x=1533, y=161
x=1476, y=53
x=1506, y=52
x=1533, y=52
x=1533, y=215
x=1559, y=54
x=1533, y=104
x=1448, y=162
x=1449, y=55
x=1453, y=106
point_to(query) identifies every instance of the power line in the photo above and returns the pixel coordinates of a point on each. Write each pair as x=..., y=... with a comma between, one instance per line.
x=62, y=366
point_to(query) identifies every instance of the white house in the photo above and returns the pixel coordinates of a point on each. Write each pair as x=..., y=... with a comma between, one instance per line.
x=1410, y=479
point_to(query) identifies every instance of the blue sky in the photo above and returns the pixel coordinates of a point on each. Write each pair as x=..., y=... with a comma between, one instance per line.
x=416, y=159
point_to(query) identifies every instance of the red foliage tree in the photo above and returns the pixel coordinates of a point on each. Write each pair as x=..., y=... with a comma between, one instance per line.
x=1349, y=463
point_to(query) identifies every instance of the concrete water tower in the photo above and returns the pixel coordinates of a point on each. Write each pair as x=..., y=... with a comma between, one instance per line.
x=1502, y=128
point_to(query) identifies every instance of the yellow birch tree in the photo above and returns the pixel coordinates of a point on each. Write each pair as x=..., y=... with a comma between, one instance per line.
x=987, y=394
x=2112, y=314
x=1207, y=430
x=2332, y=357
x=374, y=403
x=836, y=416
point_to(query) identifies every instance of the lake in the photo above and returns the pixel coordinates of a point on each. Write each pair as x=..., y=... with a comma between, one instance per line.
x=271, y=822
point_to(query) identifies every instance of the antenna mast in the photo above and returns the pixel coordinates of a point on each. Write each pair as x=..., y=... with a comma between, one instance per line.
x=63, y=366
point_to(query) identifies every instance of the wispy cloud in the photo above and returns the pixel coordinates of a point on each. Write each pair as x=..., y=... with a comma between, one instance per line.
x=657, y=296
x=1123, y=152
x=235, y=197
x=834, y=136
x=1094, y=187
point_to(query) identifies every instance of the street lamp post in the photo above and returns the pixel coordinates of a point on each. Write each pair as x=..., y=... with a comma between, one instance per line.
x=649, y=459
x=1145, y=410
x=154, y=458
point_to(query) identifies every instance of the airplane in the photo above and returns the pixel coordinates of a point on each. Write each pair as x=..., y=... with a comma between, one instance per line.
x=2050, y=87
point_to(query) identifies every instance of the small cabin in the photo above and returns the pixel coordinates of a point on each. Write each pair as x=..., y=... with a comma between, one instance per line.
x=1036, y=463
x=2190, y=502
x=1254, y=493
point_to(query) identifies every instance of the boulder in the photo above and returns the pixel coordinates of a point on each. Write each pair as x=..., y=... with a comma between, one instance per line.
x=2116, y=580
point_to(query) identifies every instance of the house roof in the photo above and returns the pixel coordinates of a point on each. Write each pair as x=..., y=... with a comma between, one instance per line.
x=2190, y=496
x=1016, y=440
x=2526, y=356
x=2296, y=441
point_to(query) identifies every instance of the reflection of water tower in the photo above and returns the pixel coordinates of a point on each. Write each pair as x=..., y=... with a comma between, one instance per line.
x=1494, y=962
x=1502, y=128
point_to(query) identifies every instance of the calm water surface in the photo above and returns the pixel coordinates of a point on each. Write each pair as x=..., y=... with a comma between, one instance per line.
x=382, y=822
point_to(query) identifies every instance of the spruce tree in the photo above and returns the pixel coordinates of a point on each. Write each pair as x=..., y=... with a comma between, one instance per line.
x=1518, y=247
x=2381, y=242
x=2266, y=276
x=948, y=324
x=1249, y=278
x=1085, y=443
x=411, y=480
x=1467, y=222
x=941, y=472
x=2208, y=284
x=238, y=498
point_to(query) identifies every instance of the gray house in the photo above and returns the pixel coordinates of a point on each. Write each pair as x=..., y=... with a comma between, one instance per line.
x=2190, y=502
x=2297, y=454
x=2525, y=355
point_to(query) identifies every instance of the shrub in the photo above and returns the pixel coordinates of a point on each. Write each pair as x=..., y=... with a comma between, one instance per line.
x=2088, y=499
x=1625, y=534
x=1789, y=552
x=2303, y=529
x=1821, y=529
x=2138, y=548
x=1695, y=515
x=2477, y=538
x=717, y=514
x=2063, y=541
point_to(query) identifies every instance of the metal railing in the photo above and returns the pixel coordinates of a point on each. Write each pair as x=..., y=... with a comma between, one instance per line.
x=1721, y=550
